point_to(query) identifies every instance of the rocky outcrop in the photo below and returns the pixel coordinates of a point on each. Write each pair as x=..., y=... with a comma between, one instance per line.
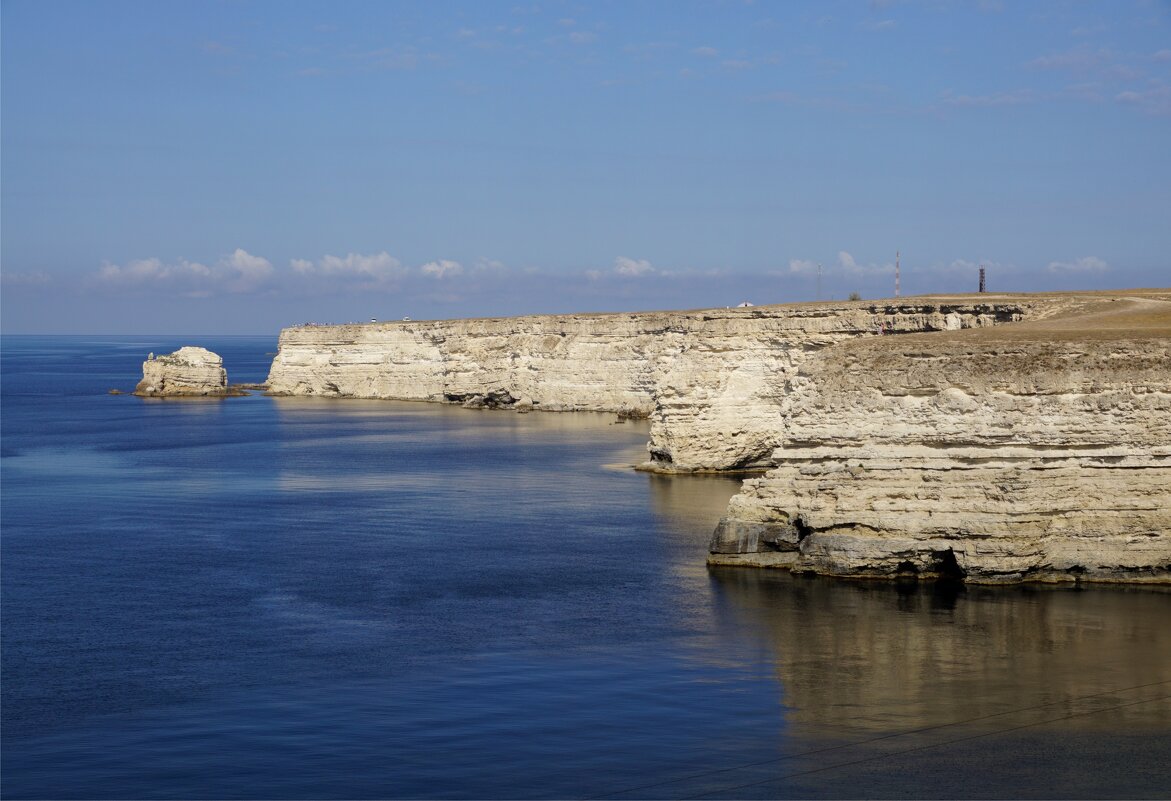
x=714, y=383
x=187, y=372
x=1041, y=453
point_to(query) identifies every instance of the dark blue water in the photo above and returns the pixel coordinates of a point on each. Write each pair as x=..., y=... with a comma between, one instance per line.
x=295, y=598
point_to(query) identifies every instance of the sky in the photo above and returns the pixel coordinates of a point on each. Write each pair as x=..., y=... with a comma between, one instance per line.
x=227, y=166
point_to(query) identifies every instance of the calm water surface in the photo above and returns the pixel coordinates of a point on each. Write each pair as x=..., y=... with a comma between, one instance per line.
x=294, y=598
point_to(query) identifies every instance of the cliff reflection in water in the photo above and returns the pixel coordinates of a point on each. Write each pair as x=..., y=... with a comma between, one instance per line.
x=863, y=659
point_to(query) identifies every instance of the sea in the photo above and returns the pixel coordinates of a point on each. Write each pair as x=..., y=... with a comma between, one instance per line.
x=272, y=598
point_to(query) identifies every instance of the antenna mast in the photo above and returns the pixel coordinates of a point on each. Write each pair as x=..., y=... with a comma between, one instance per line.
x=896, y=273
x=982, y=289
x=819, y=280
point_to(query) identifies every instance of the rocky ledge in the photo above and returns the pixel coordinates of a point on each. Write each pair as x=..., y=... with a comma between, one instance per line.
x=188, y=372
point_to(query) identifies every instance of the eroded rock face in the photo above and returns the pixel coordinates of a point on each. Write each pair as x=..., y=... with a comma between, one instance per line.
x=1045, y=456
x=714, y=383
x=189, y=371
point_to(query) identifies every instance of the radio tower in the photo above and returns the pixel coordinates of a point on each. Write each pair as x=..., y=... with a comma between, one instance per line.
x=982, y=289
x=819, y=280
x=896, y=273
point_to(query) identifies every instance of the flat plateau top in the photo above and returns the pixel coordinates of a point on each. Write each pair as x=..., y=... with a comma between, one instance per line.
x=1088, y=317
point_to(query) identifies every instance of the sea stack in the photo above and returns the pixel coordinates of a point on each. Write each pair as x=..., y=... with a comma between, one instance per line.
x=188, y=372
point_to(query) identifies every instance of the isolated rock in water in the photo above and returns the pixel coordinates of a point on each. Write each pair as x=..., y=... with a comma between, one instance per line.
x=189, y=371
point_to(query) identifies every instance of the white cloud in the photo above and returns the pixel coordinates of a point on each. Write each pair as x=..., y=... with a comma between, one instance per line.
x=152, y=270
x=239, y=272
x=249, y=271
x=582, y=37
x=802, y=266
x=850, y=266
x=706, y=52
x=1086, y=264
x=371, y=271
x=1125, y=76
x=1156, y=99
x=376, y=266
x=485, y=265
x=632, y=267
x=442, y=268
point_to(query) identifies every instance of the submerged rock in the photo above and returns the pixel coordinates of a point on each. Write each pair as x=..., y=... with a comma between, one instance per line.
x=188, y=372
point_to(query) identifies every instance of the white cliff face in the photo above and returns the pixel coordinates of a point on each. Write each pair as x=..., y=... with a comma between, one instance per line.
x=1043, y=453
x=714, y=383
x=189, y=371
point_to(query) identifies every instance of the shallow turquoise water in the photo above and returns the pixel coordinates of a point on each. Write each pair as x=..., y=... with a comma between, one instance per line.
x=295, y=598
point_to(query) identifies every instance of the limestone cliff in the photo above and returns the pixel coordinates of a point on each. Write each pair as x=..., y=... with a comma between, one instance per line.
x=715, y=383
x=991, y=438
x=189, y=371
x=1040, y=451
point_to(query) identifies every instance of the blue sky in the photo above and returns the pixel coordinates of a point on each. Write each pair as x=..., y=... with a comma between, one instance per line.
x=233, y=167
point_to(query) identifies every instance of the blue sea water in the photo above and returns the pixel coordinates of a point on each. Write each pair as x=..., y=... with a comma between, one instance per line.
x=295, y=598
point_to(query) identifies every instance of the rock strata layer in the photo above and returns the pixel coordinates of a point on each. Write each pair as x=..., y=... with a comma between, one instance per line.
x=188, y=372
x=1044, y=455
